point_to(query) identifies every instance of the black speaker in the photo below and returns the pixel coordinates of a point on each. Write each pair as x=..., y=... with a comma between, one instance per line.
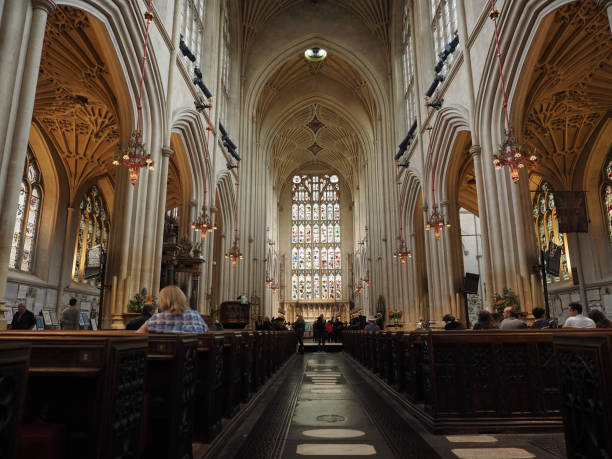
x=470, y=283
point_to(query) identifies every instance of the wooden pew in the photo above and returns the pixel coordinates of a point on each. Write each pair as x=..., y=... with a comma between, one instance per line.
x=88, y=389
x=209, y=390
x=584, y=362
x=258, y=362
x=246, y=376
x=456, y=381
x=232, y=372
x=14, y=363
x=172, y=361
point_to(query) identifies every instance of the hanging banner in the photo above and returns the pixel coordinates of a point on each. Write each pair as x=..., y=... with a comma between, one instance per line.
x=571, y=211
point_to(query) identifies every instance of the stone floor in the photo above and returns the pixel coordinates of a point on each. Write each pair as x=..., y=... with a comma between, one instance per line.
x=323, y=405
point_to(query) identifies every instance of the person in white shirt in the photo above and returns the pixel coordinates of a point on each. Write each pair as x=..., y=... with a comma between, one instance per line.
x=576, y=319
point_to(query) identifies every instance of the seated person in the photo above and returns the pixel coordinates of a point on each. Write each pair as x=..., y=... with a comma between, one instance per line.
x=576, y=319
x=136, y=323
x=600, y=319
x=451, y=323
x=175, y=316
x=485, y=321
x=540, y=319
x=371, y=326
x=511, y=320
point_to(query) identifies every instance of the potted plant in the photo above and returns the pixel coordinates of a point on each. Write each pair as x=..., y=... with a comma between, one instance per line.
x=135, y=305
x=507, y=299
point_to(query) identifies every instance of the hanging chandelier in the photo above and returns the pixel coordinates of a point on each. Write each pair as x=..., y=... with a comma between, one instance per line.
x=402, y=252
x=135, y=157
x=436, y=220
x=511, y=152
x=203, y=223
x=366, y=279
x=235, y=254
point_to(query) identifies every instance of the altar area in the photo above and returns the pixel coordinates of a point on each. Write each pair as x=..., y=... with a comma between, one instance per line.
x=312, y=310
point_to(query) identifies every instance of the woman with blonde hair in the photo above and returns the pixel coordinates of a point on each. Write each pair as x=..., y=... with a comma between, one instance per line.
x=175, y=316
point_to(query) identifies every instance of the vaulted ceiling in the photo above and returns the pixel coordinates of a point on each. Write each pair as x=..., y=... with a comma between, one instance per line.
x=375, y=14
x=569, y=94
x=75, y=105
x=315, y=136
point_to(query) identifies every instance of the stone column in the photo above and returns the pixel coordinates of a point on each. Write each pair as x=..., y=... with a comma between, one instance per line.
x=11, y=38
x=484, y=225
x=67, y=256
x=161, y=215
x=17, y=152
x=607, y=4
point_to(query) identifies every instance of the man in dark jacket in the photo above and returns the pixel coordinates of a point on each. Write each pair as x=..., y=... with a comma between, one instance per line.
x=136, y=323
x=452, y=324
x=321, y=332
x=24, y=319
x=300, y=326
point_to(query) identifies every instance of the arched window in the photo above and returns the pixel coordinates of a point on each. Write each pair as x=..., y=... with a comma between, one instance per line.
x=28, y=212
x=443, y=26
x=192, y=28
x=607, y=195
x=547, y=230
x=408, y=65
x=316, y=214
x=94, y=227
x=225, y=64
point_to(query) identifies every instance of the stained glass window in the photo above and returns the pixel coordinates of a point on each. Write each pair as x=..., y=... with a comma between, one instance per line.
x=607, y=195
x=316, y=254
x=294, y=287
x=94, y=225
x=29, y=204
x=547, y=230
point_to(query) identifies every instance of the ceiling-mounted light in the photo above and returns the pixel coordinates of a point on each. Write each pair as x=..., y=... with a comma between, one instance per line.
x=315, y=54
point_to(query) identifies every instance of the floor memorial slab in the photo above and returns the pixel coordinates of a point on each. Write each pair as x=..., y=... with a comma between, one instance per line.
x=471, y=438
x=334, y=433
x=330, y=449
x=492, y=453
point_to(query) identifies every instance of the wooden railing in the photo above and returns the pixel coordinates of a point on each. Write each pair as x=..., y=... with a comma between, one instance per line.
x=498, y=380
x=119, y=394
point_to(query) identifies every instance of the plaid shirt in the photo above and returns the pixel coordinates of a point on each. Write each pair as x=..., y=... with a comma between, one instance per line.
x=188, y=322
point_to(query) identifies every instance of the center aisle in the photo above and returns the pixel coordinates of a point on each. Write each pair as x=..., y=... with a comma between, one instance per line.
x=322, y=407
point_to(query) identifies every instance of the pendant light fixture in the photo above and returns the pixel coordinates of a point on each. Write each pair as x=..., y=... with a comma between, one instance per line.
x=235, y=254
x=402, y=252
x=435, y=221
x=511, y=152
x=135, y=157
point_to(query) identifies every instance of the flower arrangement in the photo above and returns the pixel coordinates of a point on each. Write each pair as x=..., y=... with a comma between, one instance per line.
x=139, y=300
x=507, y=299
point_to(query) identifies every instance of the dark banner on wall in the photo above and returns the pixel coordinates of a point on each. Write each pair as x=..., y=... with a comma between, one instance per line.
x=571, y=211
x=553, y=264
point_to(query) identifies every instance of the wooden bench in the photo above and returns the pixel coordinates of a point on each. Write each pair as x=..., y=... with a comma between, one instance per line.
x=584, y=362
x=14, y=363
x=85, y=393
x=172, y=361
x=232, y=372
x=483, y=381
x=209, y=392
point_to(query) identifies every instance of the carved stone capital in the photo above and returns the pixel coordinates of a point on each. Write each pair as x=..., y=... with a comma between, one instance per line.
x=46, y=5
x=167, y=152
x=475, y=150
